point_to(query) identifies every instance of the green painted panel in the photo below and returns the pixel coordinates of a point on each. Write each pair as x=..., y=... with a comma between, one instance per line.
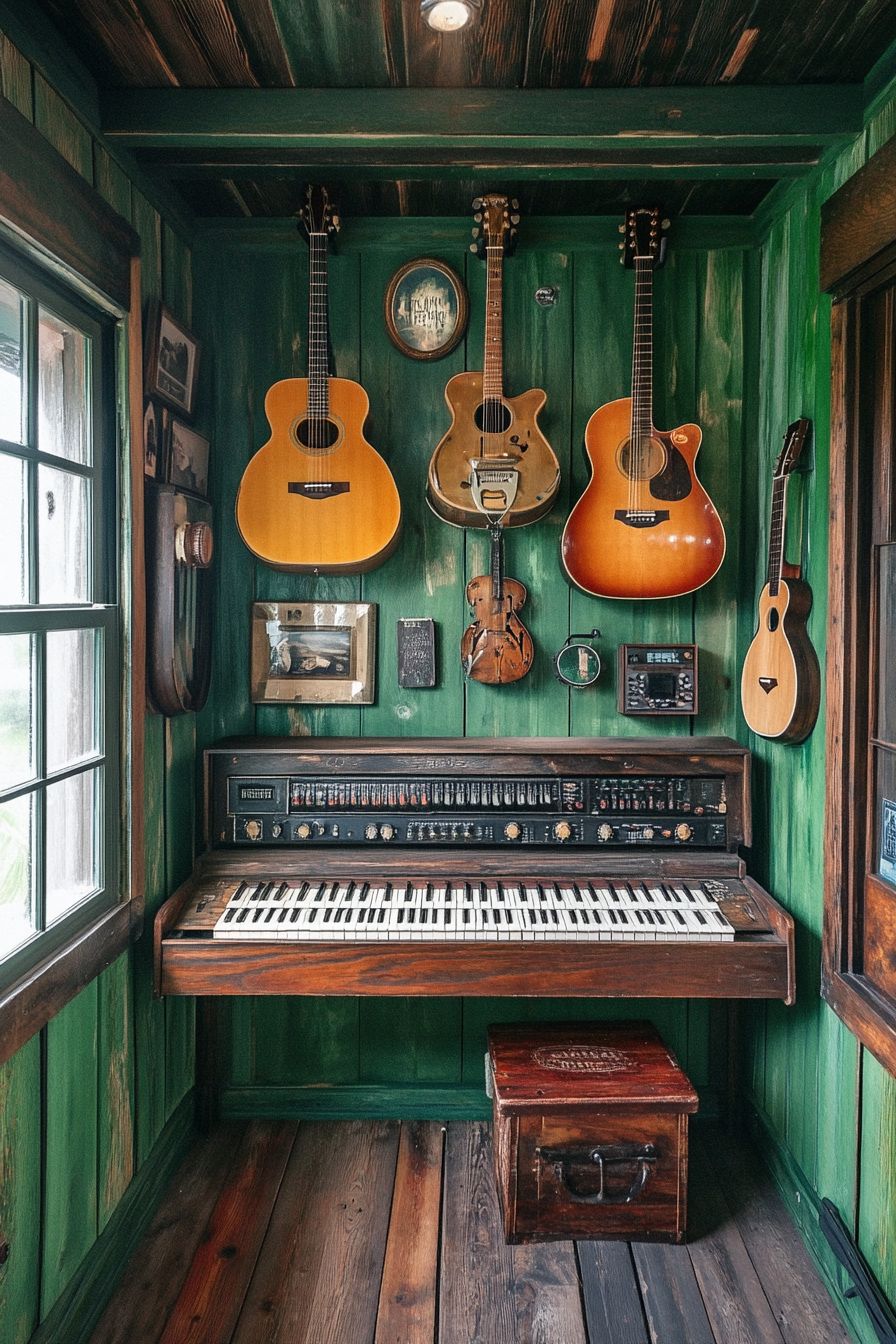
x=56, y=121
x=410, y=1040
x=149, y=226
x=177, y=278
x=116, y=1066
x=69, y=1216
x=877, y=1174
x=149, y=1013
x=838, y=1121
x=304, y=1040
x=15, y=78
x=20, y=1186
x=109, y=180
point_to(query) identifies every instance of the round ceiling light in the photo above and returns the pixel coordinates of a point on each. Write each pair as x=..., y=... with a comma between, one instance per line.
x=448, y=16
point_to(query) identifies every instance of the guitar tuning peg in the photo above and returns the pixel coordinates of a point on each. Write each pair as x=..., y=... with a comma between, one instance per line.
x=477, y=204
x=336, y=223
x=514, y=219
x=475, y=233
x=665, y=224
x=622, y=228
x=473, y=247
x=622, y=247
x=514, y=205
x=478, y=218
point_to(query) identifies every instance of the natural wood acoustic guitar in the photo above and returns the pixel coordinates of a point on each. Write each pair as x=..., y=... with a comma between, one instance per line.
x=494, y=462
x=645, y=527
x=317, y=497
x=780, y=687
x=496, y=647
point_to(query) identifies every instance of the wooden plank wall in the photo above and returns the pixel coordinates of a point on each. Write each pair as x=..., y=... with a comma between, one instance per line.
x=251, y=306
x=82, y=1104
x=827, y=1110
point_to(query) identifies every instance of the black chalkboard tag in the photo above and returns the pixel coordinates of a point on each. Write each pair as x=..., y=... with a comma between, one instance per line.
x=416, y=653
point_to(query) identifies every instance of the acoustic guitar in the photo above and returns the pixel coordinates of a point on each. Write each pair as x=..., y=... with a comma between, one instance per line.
x=780, y=687
x=645, y=527
x=317, y=497
x=494, y=462
x=496, y=647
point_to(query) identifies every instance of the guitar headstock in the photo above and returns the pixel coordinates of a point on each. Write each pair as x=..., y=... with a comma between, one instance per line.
x=318, y=214
x=643, y=237
x=793, y=446
x=496, y=219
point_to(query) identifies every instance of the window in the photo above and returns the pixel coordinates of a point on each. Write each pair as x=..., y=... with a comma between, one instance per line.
x=60, y=816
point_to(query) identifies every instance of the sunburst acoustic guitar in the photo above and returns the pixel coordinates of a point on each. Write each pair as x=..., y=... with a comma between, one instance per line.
x=645, y=527
x=317, y=497
x=494, y=462
x=780, y=688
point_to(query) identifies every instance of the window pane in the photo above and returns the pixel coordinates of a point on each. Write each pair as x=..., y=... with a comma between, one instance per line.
x=73, y=806
x=12, y=385
x=63, y=536
x=16, y=847
x=62, y=389
x=16, y=710
x=14, y=530
x=72, y=696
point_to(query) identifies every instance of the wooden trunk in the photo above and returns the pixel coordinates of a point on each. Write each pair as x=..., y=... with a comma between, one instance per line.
x=591, y=1132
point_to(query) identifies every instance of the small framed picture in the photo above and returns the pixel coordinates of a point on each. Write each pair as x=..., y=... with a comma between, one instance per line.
x=153, y=439
x=172, y=360
x=188, y=459
x=313, y=653
x=426, y=308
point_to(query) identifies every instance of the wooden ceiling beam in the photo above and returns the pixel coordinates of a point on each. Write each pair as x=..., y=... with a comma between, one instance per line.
x=493, y=122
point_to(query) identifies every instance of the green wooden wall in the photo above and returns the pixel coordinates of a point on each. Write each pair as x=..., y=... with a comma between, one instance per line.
x=346, y=1055
x=83, y=1103
x=825, y=1109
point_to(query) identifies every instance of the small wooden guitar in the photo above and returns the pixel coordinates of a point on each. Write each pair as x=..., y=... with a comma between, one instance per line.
x=644, y=527
x=780, y=687
x=317, y=497
x=494, y=462
x=497, y=647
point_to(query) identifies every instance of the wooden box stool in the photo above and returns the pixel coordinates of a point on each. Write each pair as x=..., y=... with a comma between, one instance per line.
x=591, y=1131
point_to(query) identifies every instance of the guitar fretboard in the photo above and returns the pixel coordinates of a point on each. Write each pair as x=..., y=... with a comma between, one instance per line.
x=492, y=376
x=642, y=357
x=318, y=331
x=776, y=535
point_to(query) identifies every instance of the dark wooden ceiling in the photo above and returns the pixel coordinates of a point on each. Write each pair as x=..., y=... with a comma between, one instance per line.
x=515, y=45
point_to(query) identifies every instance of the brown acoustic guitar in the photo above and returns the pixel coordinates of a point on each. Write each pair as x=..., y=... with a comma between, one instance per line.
x=497, y=647
x=317, y=497
x=780, y=687
x=645, y=527
x=494, y=462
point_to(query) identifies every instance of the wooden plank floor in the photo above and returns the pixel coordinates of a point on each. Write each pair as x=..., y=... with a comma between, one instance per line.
x=378, y=1232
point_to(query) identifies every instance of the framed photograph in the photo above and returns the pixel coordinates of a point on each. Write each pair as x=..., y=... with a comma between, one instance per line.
x=153, y=439
x=321, y=653
x=188, y=459
x=426, y=308
x=172, y=360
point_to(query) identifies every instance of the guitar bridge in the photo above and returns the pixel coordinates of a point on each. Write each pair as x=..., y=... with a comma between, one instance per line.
x=493, y=488
x=641, y=517
x=318, y=489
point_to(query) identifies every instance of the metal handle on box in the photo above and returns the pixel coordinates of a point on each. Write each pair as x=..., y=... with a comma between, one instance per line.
x=601, y=1156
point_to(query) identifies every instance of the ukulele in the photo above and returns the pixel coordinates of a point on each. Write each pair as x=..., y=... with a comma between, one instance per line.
x=497, y=647
x=645, y=527
x=317, y=497
x=494, y=462
x=780, y=687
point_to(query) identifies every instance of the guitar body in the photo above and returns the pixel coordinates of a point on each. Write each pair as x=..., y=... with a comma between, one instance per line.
x=334, y=510
x=521, y=444
x=497, y=647
x=781, y=683
x=670, y=543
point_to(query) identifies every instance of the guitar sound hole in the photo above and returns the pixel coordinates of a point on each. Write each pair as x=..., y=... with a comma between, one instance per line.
x=646, y=460
x=315, y=436
x=492, y=417
x=773, y=619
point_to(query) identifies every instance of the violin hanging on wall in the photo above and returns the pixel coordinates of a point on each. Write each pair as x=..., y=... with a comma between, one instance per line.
x=497, y=647
x=317, y=497
x=494, y=462
x=645, y=527
x=780, y=687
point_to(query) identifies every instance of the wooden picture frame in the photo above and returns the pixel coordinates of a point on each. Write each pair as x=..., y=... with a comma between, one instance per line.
x=426, y=308
x=153, y=440
x=313, y=653
x=188, y=454
x=172, y=360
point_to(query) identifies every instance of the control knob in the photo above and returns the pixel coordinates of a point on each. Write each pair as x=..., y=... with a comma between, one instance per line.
x=303, y=832
x=513, y=830
x=562, y=830
x=605, y=832
x=387, y=832
x=370, y=832
x=683, y=831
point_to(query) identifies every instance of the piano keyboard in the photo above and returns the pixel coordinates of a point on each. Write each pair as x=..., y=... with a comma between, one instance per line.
x=327, y=911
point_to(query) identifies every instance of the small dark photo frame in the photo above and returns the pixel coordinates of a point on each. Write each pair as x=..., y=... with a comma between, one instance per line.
x=153, y=440
x=187, y=459
x=426, y=308
x=172, y=360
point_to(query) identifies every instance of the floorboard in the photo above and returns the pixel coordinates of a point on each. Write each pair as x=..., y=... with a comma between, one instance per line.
x=380, y=1232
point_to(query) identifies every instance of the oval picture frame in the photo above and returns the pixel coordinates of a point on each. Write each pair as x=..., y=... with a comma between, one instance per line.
x=426, y=308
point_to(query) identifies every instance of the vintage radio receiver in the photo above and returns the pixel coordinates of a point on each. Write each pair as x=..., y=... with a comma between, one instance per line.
x=658, y=679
